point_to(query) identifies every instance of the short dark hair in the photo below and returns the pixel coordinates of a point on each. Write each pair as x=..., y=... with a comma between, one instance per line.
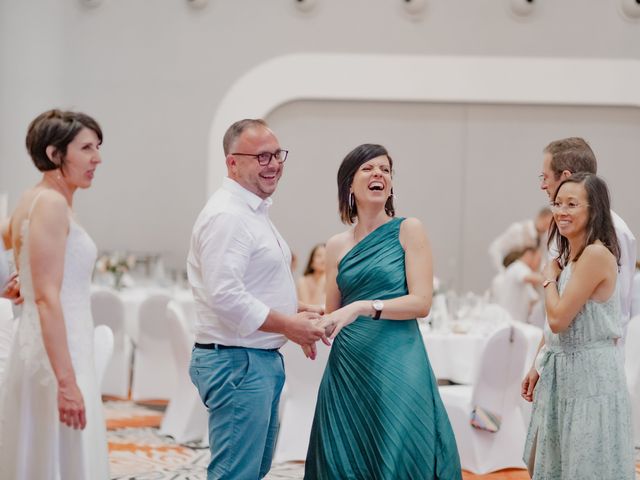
x=348, y=168
x=56, y=128
x=309, y=268
x=573, y=154
x=600, y=223
x=236, y=129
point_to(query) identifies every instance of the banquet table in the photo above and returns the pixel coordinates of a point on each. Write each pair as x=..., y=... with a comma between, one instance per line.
x=455, y=356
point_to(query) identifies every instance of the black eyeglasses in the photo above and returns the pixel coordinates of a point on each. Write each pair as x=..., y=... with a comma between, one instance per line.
x=264, y=158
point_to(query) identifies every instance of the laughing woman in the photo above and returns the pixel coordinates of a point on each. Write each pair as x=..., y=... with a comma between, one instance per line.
x=379, y=414
x=580, y=425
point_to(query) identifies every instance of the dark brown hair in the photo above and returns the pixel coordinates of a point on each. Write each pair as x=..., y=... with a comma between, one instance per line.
x=56, y=128
x=309, y=268
x=573, y=154
x=600, y=224
x=235, y=130
x=348, y=168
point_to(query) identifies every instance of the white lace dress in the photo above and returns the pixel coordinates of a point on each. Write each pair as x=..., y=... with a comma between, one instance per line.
x=33, y=442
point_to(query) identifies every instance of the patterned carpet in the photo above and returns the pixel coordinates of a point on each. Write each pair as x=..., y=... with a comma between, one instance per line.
x=136, y=451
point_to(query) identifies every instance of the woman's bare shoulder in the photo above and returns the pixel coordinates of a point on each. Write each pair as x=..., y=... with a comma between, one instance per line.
x=339, y=240
x=412, y=225
x=596, y=259
x=338, y=245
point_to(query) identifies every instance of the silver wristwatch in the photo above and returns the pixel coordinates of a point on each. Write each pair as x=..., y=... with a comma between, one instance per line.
x=377, y=305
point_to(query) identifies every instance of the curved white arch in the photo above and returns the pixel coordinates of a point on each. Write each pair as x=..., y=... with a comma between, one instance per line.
x=507, y=80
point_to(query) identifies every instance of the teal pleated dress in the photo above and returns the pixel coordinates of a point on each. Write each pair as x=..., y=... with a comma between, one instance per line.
x=581, y=420
x=379, y=414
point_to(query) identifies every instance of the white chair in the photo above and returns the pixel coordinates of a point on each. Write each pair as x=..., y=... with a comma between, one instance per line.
x=102, y=349
x=298, y=402
x=154, y=369
x=497, y=390
x=632, y=371
x=534, y=335
x=107, y=309
x=186, y=417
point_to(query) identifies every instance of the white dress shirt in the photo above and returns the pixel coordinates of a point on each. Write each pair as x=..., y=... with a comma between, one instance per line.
x=516, y=237
x=635, y=295
x=239, y=269
x=628, y=253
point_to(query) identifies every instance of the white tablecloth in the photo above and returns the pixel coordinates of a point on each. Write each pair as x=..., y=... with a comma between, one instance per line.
x=454, y=356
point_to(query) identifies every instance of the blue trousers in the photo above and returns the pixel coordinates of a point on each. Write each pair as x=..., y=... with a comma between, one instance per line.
x=241, y=389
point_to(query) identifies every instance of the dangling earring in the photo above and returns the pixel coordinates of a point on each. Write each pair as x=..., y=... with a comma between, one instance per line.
x=388, y=206
x=351, y=201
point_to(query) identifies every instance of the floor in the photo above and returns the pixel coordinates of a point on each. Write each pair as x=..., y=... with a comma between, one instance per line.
x=136, y=451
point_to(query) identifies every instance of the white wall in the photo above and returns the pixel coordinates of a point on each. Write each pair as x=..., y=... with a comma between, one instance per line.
x=154, y=72
x=466, y=171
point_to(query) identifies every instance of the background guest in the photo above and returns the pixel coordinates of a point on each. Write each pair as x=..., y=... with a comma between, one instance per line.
x=311, y=286
x=515, y=287
x=520, y=235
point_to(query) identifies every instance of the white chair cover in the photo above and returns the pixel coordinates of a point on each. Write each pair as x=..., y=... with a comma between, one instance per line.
x=102, y=349
x=497, y=390
x=534, y=335
x=186, y=417
x=107, y=309
x=154, y=369
x=632, y=371
x=298, y=400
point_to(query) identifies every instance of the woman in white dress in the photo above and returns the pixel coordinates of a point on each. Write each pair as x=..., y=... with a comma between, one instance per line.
x=51, y=422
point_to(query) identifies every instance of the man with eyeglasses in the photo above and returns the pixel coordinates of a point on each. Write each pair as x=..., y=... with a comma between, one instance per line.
x=245, y=295
x=562, y=158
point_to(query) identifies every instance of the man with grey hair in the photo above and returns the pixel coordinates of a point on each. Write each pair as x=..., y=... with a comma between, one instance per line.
x=245, y=295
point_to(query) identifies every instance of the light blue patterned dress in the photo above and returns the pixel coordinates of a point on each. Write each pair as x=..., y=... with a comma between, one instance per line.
x=581, y=422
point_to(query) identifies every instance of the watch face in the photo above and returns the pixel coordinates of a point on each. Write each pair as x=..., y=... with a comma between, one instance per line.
x=377, y=305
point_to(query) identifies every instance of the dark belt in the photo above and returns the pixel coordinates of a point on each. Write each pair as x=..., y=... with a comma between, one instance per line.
x=217, y=346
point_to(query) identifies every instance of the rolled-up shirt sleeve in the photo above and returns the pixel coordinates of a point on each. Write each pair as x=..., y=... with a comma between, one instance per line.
x=225, y=245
